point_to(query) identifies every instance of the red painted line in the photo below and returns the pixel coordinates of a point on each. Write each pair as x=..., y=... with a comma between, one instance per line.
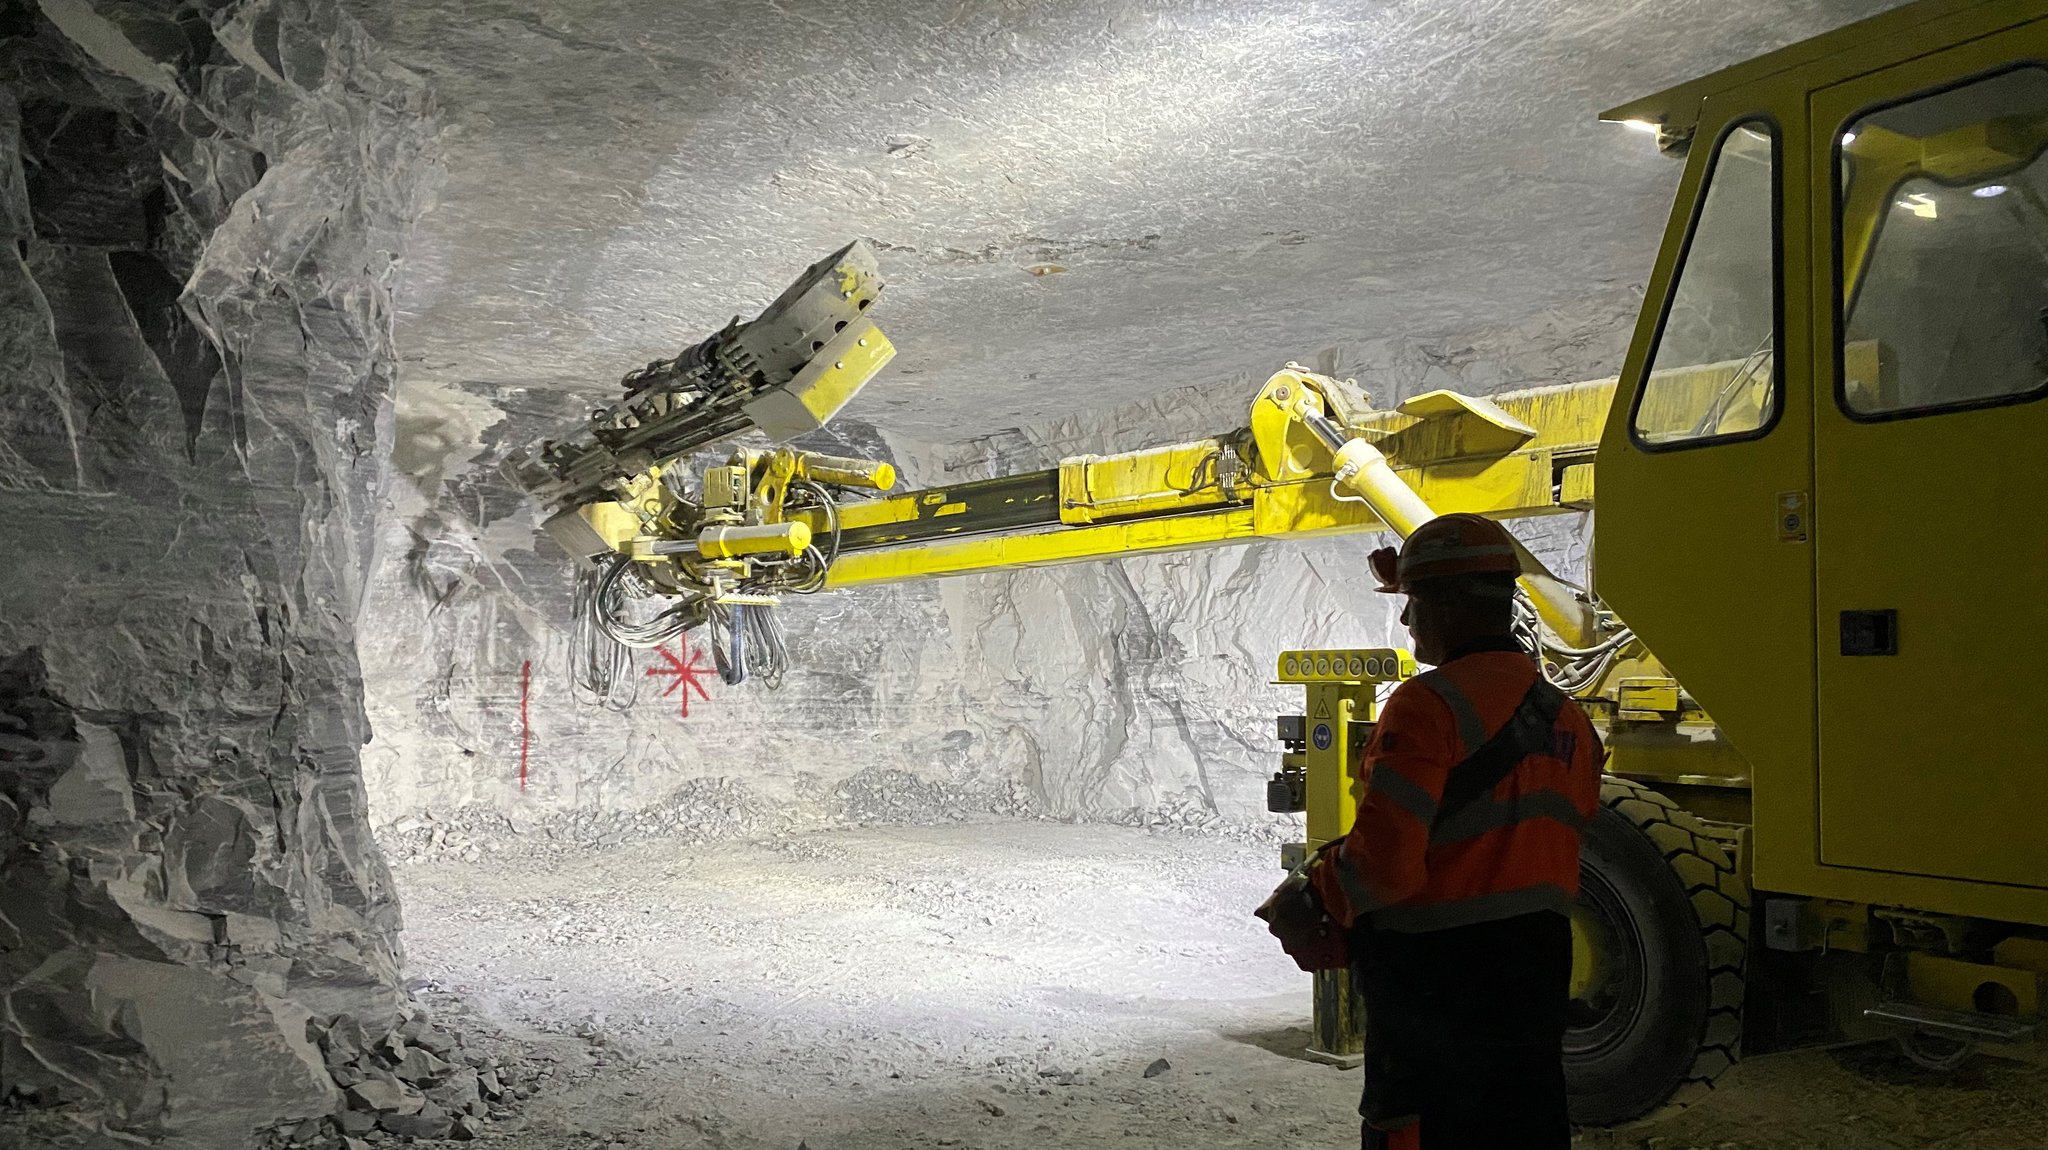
x=525, y=723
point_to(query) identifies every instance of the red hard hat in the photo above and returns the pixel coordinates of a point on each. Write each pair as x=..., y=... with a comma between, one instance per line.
x=1449, y=545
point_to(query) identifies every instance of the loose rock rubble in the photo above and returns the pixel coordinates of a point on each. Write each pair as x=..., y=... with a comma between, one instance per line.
x=1188, y=811
x=901, y=798
x=717, y=810
x=410, y=1079
x=705, y=811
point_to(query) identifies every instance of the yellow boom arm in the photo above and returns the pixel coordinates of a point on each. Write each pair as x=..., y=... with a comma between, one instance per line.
x=1313, y=461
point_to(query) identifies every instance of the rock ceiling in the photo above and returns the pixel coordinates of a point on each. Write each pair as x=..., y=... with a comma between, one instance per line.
x=1078, y=202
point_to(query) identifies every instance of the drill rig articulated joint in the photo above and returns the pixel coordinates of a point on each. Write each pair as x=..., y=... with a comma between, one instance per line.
x=620, y=497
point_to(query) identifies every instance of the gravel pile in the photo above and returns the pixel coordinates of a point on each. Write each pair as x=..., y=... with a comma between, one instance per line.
x=1188, y=812
x=702, y=811
x=699, y=811
x=716, y=810
x=410, y=1080
x=880, y=796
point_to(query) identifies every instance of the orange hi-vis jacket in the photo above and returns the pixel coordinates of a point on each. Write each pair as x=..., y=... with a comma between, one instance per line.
x=1513, y=849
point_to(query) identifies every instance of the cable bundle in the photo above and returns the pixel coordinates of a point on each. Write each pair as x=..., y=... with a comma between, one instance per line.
x=1570, y=669
x=600, y=667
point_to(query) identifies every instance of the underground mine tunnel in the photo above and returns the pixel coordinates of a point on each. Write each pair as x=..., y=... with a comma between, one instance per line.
x=695, y=574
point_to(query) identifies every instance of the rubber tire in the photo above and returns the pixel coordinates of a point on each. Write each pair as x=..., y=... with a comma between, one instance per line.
x=1690, y=917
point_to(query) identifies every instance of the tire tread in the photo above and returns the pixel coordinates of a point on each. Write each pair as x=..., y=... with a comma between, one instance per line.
x=1678, y=835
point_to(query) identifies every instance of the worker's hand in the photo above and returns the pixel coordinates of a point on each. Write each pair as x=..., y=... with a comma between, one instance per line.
x=1385, y=564
x=1294, y=914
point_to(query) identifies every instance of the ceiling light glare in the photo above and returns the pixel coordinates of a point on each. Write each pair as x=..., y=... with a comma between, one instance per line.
x=1988, y=191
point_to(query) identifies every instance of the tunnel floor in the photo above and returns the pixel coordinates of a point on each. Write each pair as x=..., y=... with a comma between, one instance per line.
x=992, y=985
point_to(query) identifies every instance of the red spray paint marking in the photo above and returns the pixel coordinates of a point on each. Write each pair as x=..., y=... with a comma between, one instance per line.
x=687, y=675
x=525, y=726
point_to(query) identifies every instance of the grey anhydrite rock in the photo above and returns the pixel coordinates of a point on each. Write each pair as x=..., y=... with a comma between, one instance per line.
x=203, y=205
x=420, y=1032
x=418, y=1066
x=459, y=1092
x=95, y=789
x=342, y=1041
x=385, y=1096
x=429, y=1122
x=390, y=1049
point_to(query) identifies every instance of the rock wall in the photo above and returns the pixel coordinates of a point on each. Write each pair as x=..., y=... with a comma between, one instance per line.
x=204, y=204
x=466, y=650
x=1131, y=689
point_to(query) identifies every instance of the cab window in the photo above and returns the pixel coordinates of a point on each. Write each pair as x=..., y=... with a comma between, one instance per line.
x=1714, y=374
x=1943, y=203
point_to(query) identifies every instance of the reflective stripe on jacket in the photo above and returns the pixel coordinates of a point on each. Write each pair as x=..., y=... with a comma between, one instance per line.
x=1512, y=850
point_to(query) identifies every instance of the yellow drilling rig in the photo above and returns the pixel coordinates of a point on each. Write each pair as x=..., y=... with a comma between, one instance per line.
x=1819, y=673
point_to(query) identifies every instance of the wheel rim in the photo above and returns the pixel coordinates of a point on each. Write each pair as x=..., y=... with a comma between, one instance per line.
x=1607, y=990
x=1935, y=1053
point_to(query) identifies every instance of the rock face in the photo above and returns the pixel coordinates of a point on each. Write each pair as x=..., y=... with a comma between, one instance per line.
x=466, y=652
x=204, y=204
x=1133, y=690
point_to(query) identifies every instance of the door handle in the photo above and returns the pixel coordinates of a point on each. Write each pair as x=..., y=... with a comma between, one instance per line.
x=1870, y=632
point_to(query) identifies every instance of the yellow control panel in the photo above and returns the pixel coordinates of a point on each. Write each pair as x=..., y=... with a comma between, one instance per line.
x=1322, y=776
x=1356, y=665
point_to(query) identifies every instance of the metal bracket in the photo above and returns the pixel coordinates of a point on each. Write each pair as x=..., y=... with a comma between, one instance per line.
x=1954, y=1025
x=1482, y=428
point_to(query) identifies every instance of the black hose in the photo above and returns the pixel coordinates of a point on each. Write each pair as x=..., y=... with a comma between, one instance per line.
x=736, y=672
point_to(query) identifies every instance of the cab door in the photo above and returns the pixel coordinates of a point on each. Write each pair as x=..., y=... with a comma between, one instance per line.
x=1930, y=518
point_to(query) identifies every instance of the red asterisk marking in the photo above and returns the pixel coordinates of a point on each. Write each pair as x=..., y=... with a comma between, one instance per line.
x=686, y=676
